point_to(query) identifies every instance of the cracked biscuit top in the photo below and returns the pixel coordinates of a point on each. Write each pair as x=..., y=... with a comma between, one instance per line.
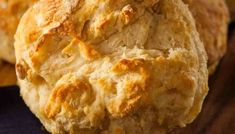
x=111, y=67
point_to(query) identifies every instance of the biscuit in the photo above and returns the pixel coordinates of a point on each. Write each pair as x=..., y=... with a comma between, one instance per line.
x=7, y=73
x=10, y=14
x=212, y=18
x=231, y=5
x=111, y=67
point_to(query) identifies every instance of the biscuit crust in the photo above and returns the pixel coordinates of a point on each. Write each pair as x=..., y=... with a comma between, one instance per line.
x=10, y=14
x=107, y=66
x=212, y=18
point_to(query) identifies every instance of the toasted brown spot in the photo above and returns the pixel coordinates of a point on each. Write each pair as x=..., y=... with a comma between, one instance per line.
x=127, y=65
x=87, y=51
x=70, y=49
x=72, y=96
x=128, y=13
x=21, y=68
x=107, y=86
x=103, y=24
x=134, y=89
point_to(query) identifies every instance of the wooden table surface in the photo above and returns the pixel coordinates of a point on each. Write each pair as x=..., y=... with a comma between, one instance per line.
x=217, y=116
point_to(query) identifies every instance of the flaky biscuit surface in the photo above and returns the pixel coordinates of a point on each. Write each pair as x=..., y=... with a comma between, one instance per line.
x=212, y=18
x=111, y=67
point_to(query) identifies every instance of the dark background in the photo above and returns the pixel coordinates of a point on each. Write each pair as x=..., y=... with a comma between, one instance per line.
x=15, y=117
x=217, y=116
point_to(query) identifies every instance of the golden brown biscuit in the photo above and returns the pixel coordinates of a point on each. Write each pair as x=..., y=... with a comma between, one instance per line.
x=10, y=14
x=231, y=5
x=7, y=73
x=111, y=67
x=212, y=21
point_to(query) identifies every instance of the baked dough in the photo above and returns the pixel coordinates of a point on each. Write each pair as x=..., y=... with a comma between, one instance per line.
x=7, y=73
x=111, y=67
x=212, y=18
x=10, y=14
x=231, y=5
